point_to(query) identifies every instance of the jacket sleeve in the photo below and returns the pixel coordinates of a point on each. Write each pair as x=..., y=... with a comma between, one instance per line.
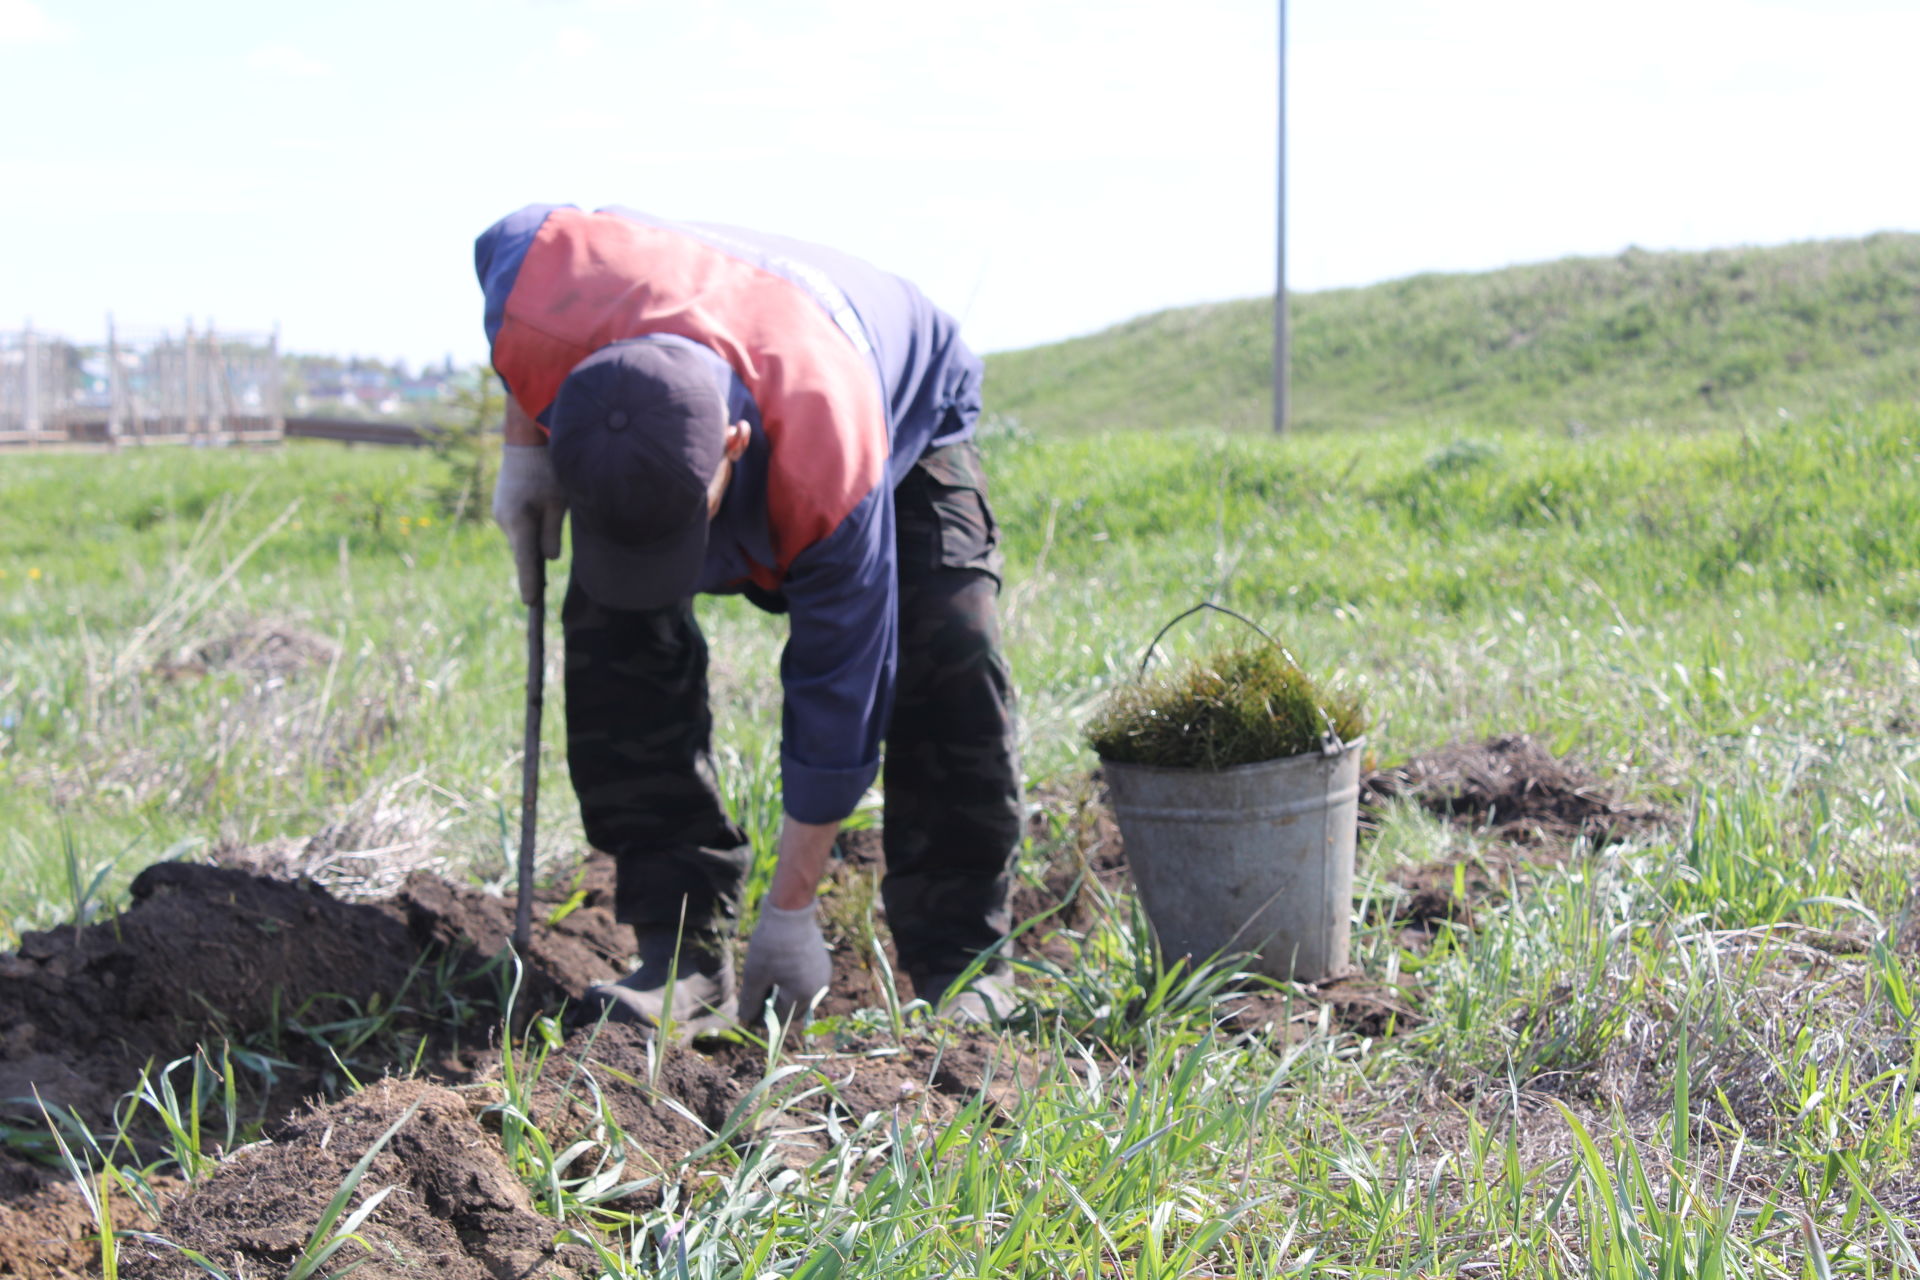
x=837, y=671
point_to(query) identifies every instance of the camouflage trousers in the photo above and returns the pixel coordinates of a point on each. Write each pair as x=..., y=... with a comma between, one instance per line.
x=639, y=741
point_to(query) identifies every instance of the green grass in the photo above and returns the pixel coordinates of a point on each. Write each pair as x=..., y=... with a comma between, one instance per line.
x=1674, y=340
x=1695, y=1054
x=1646, y=599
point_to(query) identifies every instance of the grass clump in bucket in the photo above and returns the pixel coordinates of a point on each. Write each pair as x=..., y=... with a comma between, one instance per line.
x=1239, y=706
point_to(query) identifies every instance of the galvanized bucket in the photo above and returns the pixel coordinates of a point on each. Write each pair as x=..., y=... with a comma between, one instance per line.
x=1254, y=861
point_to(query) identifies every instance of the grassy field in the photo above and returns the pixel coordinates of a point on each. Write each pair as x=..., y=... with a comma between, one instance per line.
x=1692, y=1054
x=1646, y=601
x=1678, y=340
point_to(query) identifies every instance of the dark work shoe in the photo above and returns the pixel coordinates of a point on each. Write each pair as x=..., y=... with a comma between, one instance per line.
x=986, y=998
x=703, y=986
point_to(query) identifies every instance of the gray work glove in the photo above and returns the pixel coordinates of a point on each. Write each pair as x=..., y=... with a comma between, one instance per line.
x=528, y=505
x=786, y=958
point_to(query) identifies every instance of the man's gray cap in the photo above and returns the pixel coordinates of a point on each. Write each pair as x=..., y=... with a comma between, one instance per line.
x=637, y=433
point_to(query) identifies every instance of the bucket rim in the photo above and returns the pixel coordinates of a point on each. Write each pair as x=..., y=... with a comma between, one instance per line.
x=1350, y=746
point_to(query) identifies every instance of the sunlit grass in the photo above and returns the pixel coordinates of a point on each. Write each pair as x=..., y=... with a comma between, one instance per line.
x=1678, y=340
x=1694, y=1053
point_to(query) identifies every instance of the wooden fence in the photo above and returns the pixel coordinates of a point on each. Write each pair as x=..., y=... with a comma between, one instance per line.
x=196, y=387
x=360, y=431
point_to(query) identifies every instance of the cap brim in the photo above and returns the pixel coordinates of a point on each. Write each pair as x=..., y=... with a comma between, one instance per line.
x=617, y=575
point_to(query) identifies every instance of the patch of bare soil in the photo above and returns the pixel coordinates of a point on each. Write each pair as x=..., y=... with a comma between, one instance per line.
x=210, y=955
x=47, y=1231
x=205, y=956
x=1534, y=804
x=925, y=1079
x=1087, y=856
x=455, y=1209
x=1436, y=894
x=1514, y=788
x=43, y=1225
x=1351, y=1003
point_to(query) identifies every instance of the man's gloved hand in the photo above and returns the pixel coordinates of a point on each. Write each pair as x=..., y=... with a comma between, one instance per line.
x=786, y=958
x=528, y=505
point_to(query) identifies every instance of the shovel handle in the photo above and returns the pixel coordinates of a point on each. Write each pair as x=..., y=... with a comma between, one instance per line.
x=530, y=765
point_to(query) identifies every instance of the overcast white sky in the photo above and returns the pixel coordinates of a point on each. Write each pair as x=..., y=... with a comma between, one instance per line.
x=1041, y=167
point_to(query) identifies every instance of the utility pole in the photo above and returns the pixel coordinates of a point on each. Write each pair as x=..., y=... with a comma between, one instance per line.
x=1282, y=337
x=276, y=411
x=30, y=381
x=115, y=422
x=189, y=371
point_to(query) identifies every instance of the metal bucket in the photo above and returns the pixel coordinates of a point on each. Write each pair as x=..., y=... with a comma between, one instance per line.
x=1255, y=861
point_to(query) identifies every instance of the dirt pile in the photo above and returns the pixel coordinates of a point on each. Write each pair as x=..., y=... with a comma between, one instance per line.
x=45, y=1225
x=307, y=988
x=1514, y=788
x=202, y=956
x=1534, y=806
x=300, y=982
x=455, y=1209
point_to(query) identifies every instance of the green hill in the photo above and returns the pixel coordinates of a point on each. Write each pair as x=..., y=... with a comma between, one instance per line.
x=1677, y=339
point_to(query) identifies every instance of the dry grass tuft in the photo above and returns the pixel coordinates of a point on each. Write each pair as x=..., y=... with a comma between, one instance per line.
x=378, y=841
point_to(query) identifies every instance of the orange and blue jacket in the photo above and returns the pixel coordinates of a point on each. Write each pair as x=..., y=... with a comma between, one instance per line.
x=846, y=375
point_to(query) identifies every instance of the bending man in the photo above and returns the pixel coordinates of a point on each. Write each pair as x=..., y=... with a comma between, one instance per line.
x=725, y=411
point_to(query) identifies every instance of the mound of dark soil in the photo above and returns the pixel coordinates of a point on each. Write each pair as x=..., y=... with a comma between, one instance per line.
x=1535, y=805
x=455, y=1209
x=1513, y=787
x=202, y=955
x=458, y=1211
x=206, y=956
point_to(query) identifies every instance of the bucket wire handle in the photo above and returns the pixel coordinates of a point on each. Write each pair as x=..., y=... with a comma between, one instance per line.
x=1330, y=742
x=1178, y=618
